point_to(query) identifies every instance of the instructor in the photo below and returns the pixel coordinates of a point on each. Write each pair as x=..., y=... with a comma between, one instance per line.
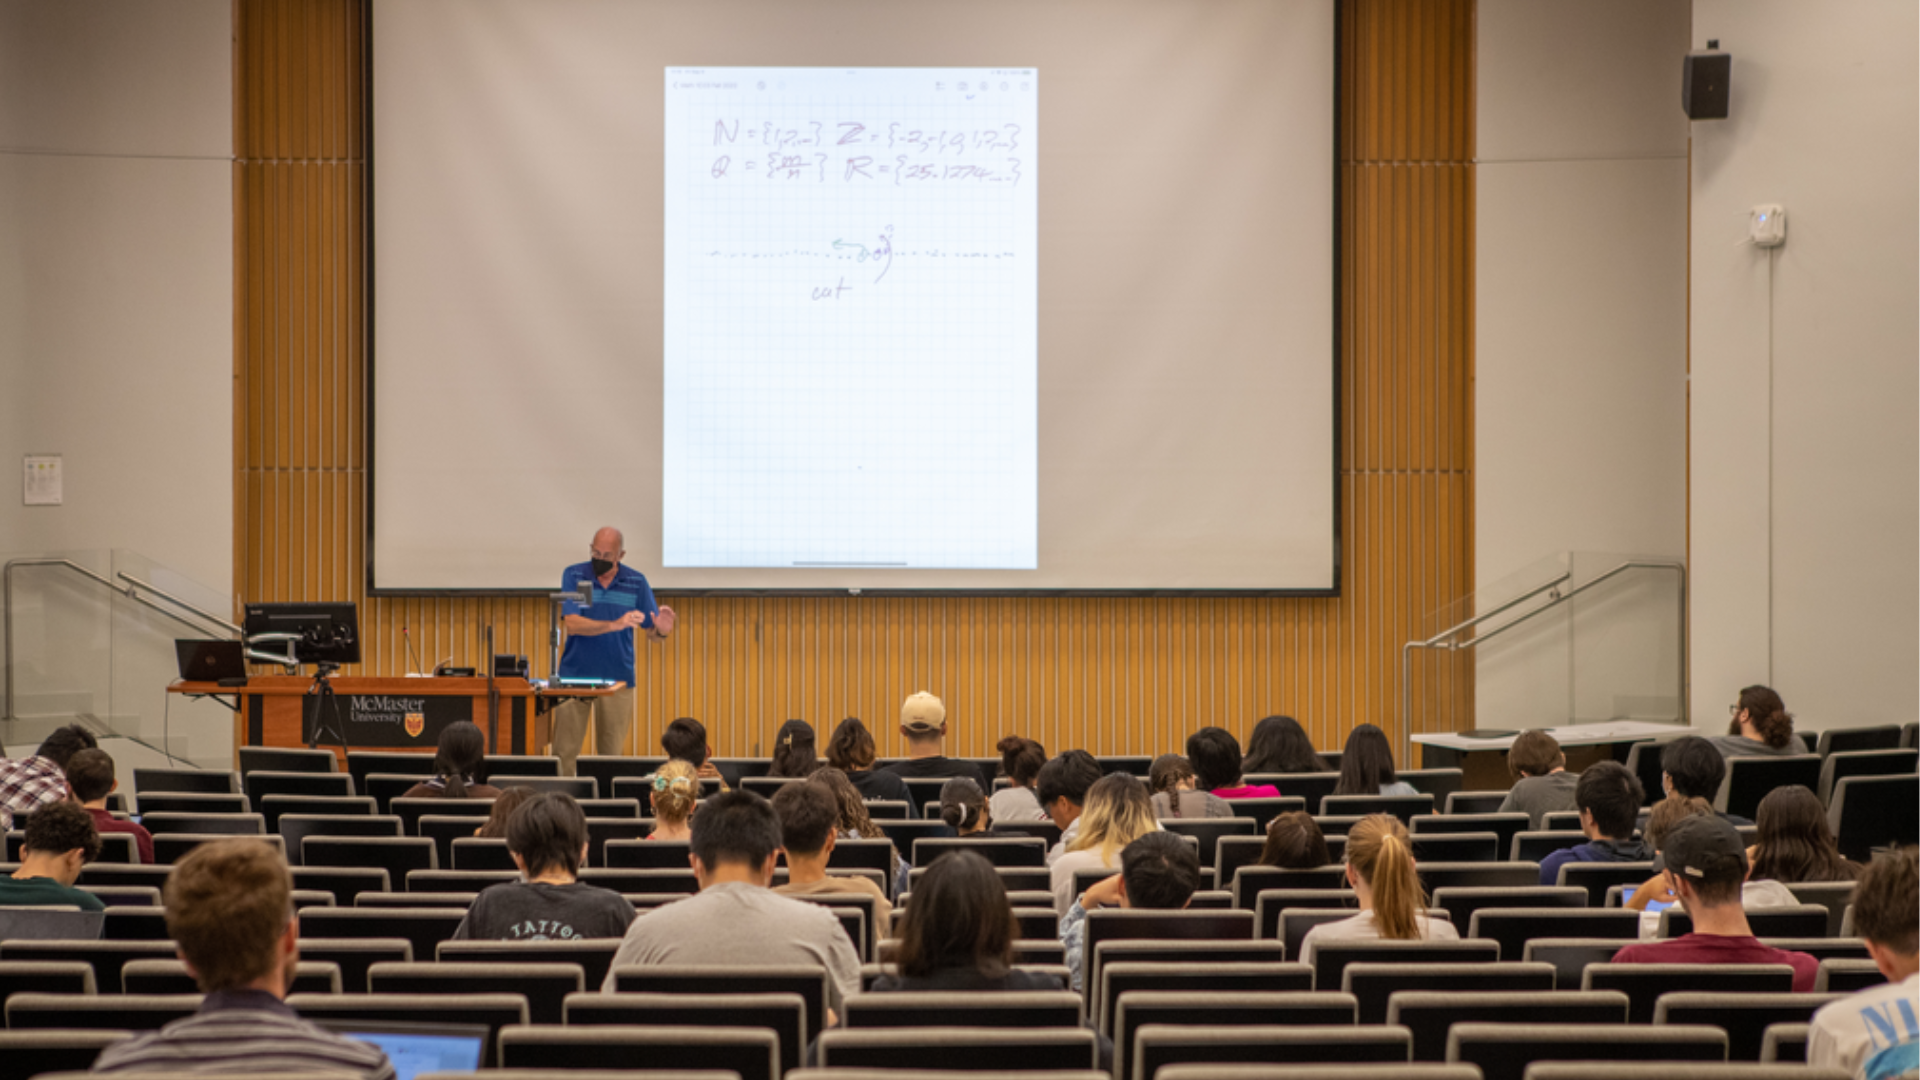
x=600, y=646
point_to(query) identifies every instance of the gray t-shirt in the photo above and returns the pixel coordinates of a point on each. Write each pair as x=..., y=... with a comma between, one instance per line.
x=1015, y=804
x=539, y=911
x=1538, y=796
x=741, y=925
x=1741, y=746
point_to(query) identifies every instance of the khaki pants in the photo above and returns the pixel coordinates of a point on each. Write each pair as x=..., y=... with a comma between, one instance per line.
x=612, y=718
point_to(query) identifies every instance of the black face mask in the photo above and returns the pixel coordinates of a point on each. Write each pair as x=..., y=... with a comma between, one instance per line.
x=602, y=567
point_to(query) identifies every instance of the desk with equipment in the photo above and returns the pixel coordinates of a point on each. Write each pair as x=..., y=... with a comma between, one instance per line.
x=342, y=712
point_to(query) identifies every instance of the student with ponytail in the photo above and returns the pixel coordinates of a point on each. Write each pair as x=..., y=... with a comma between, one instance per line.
x=965, y=809
x=676, y=791
x=459, y=766
x=1021, y=759
x=1393, y=906
x=1761, y=725
x=794, y=753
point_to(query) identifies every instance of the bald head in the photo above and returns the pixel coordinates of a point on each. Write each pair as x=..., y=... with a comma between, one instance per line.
x=610, y=541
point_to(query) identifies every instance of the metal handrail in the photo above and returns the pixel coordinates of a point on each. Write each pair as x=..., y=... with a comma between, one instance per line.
x=131, y=592
x=1442, y=639
x=216, y=620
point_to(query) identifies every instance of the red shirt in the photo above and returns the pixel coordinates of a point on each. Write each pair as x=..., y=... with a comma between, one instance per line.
x=1721, y=949
x=104, y=822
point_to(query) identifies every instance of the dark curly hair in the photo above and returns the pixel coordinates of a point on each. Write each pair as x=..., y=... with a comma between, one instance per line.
x=1768, y=715
x=58, y=828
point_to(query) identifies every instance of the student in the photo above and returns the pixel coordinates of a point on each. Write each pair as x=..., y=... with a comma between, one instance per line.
x=1295, y=842
x=1875, y=1034
x=1158, y=871
x=794, y=753
x=959, y=932
x=851, y=751
x=1278, y=744
x=1667, y=813
x=1795, y=843
x=686, y=740
x=1393, y=906
x=1693, y=768
x=675, y=794
x=1118, y=813
x=90, y=778
x=1215, y=755
x=1760, y=726
x=60, y=841
x=964, y=810
x=502, y=811
x=547, y=838
x=1705, y=864
x=1062, y=787
x=459, y=766
x=1653, y=896
x=1366, y=765
x=809, y=816
x=1022, y=760
x=923, y=721
x=1542, y=785
x=1608, y=798
x=1176, y=793
x=735, y=919
x=29, y=783
x=230, y=914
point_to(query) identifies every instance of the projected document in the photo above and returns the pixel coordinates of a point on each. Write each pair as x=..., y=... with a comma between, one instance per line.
x=850, y=318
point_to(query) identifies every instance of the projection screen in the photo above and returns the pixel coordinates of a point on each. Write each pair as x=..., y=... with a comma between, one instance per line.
x=1002, y=296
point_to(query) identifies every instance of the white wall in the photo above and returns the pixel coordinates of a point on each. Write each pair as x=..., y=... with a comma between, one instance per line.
x=1580, y=344
x=116, y=300
x=1806, y=465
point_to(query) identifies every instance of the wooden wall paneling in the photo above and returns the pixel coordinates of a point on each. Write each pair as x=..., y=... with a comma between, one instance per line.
x=1113, y=674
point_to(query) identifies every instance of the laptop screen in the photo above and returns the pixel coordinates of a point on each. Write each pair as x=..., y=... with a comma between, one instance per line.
x=419, y=1049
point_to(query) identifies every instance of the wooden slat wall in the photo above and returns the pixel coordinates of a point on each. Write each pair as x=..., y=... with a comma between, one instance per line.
x=1114, y=675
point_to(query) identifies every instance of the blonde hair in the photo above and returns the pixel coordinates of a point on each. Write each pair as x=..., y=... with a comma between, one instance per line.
x=1118, y=812
x=676, y=789
x=1378, y=848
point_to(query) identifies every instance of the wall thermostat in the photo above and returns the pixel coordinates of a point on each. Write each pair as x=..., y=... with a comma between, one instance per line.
x=1767, y=225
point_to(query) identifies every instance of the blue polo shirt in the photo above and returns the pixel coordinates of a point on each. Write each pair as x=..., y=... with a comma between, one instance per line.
x=605, y=656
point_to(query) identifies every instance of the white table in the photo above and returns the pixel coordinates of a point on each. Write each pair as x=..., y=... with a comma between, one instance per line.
x=1610, y=731
x=1447, y=750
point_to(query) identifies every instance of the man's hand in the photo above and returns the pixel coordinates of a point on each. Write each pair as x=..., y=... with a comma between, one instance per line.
x=1102, y=893
x=663, y=621
x=630, y=619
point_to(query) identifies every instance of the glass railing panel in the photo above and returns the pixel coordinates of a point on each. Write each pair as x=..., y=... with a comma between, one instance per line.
x=59, y=638
x=1568, y=639
x=79, y=649
x=145, y=661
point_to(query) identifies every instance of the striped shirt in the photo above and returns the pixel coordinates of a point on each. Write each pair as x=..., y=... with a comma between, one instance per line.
x=244, y=1031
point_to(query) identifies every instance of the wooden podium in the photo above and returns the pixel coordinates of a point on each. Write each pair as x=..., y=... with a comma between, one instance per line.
x=385, y=713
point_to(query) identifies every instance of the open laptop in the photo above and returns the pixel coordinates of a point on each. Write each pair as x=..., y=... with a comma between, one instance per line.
x=51, y=923
x=417, y=1049
x=211, y=659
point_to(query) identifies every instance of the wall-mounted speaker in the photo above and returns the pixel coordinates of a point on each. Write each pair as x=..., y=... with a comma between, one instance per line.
x=1703, y=83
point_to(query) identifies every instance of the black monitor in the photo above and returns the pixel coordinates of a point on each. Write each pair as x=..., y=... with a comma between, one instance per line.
x=329, y=630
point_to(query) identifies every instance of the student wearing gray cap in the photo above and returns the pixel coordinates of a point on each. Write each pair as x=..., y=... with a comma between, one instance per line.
x=1705, y=864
